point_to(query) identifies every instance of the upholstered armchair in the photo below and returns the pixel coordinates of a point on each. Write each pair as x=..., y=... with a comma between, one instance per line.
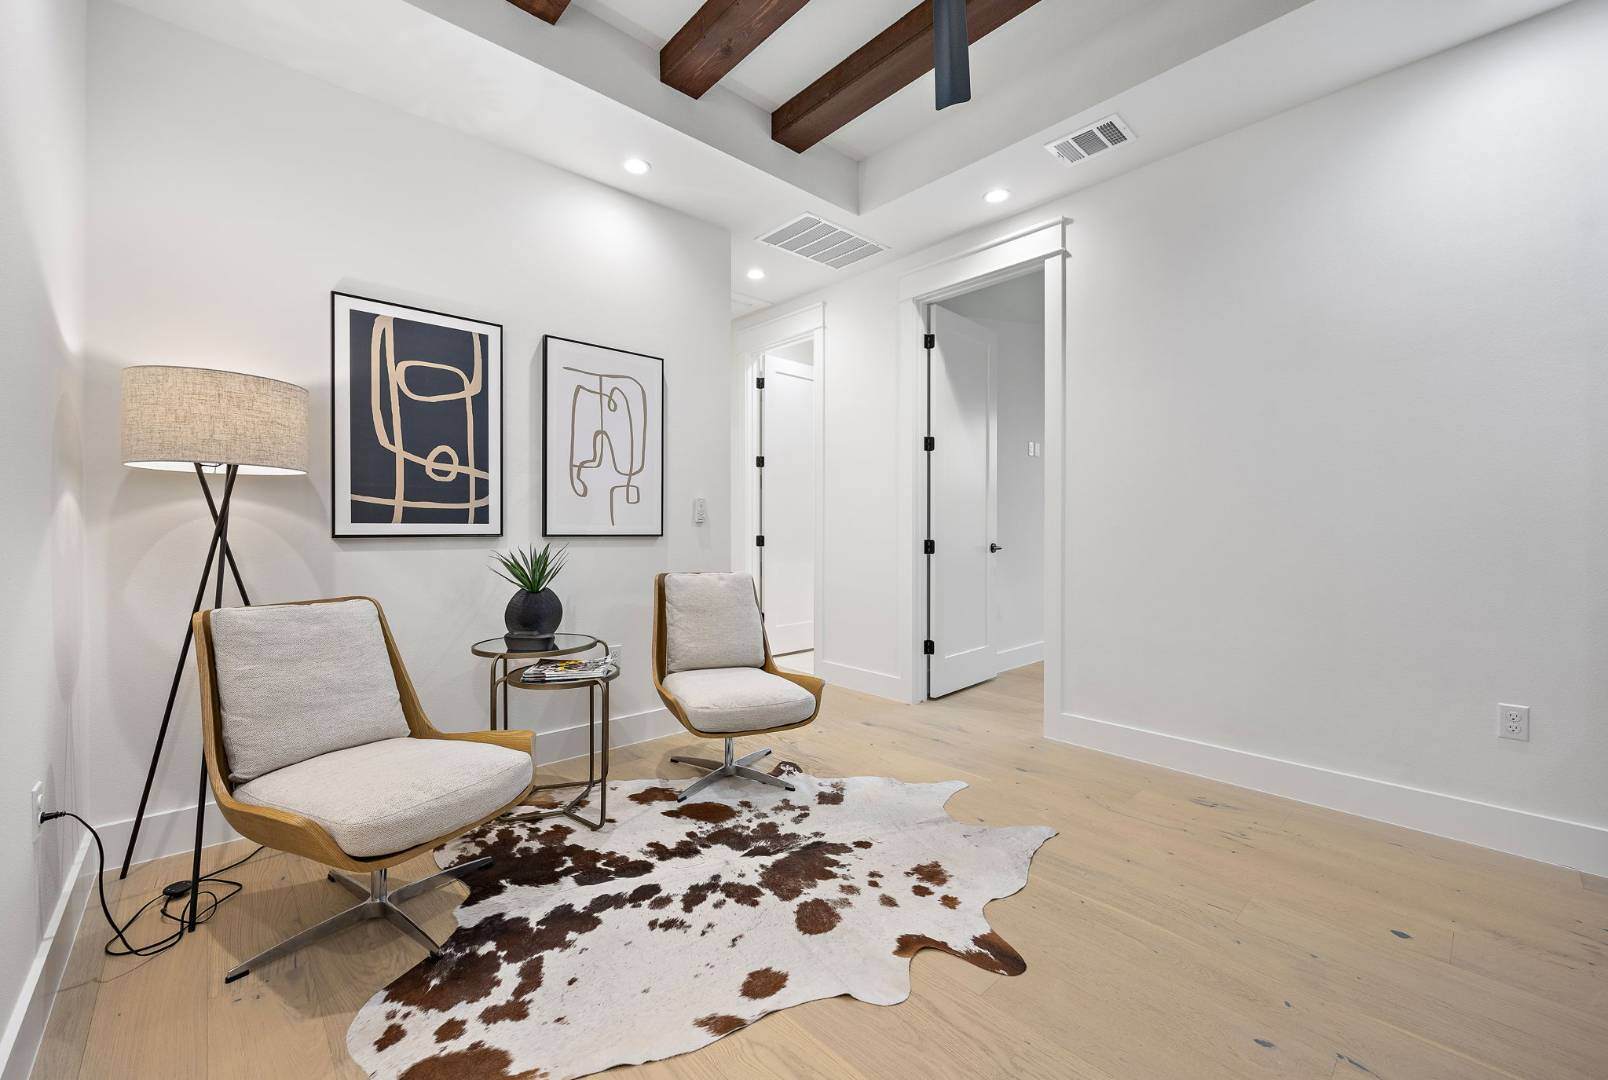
x=316, y=744
x=713, y=668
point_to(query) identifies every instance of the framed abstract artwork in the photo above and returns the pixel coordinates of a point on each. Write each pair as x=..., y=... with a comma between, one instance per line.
x=415, y=421
x=602, y=441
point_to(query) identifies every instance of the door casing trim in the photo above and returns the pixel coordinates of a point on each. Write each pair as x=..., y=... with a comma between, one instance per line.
x=1043, y=247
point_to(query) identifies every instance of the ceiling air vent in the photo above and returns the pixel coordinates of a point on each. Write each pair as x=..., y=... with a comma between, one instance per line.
x=1087, y=142
x=821, y=241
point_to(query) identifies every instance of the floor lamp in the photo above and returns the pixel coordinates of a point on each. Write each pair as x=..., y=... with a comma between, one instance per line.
x=200, y=420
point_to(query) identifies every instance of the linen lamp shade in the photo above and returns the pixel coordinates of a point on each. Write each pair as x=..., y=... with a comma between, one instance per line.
x=177, y=417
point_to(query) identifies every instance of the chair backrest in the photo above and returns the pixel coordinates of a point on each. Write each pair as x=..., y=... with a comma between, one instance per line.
x=708, y=621
x=295, y=681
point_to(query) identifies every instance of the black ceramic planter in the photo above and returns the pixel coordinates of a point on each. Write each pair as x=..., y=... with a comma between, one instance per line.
x=533, y=615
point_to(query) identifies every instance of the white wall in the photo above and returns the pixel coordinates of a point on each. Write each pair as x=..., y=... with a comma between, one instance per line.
x=1336, y=403
x=41, y=337
x=227, y=198
x=1014, y=312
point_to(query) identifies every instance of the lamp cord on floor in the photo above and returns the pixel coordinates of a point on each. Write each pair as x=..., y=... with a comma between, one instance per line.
x=127, y=947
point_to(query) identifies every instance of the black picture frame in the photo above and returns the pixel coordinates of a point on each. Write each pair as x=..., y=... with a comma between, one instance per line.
x=496, y=415
x=547, y=516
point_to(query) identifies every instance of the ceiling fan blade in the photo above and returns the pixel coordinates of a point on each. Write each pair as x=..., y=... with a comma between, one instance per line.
x=951, y=64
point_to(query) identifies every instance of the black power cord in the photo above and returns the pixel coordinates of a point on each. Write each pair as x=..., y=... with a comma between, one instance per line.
x=120, y=945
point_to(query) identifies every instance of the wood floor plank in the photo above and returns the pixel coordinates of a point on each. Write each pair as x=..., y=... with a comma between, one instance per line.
x=1172, y=928
x=1496, y=1023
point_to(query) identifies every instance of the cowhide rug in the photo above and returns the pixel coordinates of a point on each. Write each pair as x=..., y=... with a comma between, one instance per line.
x=678, y=924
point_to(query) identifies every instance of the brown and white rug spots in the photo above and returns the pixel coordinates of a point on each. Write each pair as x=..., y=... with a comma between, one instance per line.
x=678, y=924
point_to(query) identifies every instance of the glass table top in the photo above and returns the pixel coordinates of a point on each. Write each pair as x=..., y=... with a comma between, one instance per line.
x=508, y=646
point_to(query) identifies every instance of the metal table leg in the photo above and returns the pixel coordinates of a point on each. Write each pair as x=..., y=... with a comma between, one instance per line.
x=491, y=696
x=595, y=777
x=603, y=796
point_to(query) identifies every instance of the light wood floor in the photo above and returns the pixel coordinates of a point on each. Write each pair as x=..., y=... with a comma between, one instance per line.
x=1176, y=928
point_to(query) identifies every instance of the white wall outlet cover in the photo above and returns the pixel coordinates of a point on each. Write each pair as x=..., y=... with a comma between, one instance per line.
x=36, y=806
x=1513, y=722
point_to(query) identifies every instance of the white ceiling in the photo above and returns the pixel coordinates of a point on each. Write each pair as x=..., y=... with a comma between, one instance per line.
x=585, y=95
x=824, y=32
x=805, y=48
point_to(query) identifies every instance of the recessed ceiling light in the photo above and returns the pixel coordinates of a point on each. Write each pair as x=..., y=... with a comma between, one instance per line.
x=998, y=195
x=637, y=167
x=756, y=274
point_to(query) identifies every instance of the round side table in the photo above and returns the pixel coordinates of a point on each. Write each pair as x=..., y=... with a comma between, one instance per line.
x=504, y=675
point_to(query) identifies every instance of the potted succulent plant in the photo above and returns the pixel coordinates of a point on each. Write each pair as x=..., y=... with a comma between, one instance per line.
x=534, y=611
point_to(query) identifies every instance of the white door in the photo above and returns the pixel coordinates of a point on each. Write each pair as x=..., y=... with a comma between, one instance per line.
x=788, y=558
x=964, y=500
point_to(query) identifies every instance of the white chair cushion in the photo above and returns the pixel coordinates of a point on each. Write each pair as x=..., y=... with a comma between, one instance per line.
x=299, y=680
x=388, y=796
x=711, y=621
x=738, y=699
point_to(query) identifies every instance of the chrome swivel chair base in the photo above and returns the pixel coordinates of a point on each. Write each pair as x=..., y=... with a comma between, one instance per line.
x=378, y=902
x=728, y=767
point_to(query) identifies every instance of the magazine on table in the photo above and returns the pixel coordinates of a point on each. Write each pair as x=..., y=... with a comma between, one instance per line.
x=566, y=669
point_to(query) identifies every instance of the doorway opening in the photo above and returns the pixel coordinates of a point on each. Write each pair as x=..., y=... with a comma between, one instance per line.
x=985, y=482
x=777, y=487
x=785, y=479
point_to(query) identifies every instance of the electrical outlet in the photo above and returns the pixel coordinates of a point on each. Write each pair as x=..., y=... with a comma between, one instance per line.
x=36, y=806
x=1513, y=722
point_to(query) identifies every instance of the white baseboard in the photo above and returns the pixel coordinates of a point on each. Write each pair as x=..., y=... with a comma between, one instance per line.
x=19, y=1046
x=165, y=832
x=866, y=681
x=1573, y=844
x=567, y=744
x=1020, y=655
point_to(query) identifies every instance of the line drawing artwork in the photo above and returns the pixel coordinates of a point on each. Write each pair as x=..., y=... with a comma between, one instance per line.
x=388, y=380
x=614, y=395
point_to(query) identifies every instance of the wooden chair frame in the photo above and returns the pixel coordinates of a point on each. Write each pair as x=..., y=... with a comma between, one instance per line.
x=728, y=766
x=284, y=830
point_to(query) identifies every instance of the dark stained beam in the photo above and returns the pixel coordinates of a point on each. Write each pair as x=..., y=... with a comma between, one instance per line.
x=877, y=70
x=717, y=38
x=547, y=11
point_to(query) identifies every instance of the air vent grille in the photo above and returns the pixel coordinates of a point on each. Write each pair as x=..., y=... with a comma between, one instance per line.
x=1097, y=138
x=819, y=240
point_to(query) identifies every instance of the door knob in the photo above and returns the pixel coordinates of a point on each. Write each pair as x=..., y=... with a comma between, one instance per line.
x=993, y=548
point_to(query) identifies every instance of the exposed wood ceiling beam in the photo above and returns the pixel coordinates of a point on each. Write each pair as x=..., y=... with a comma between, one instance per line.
x=717, y=38
x=547, y=11
x=877, y=70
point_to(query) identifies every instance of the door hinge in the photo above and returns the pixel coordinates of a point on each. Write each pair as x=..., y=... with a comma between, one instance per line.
x=759, y=461
x=928, y=648
x=759, y=541
x=929, y=547
x=928, y=443
x=929, y=341
x=759, y=383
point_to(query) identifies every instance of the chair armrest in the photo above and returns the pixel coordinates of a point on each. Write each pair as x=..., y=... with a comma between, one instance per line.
x=509, y=740
x=809, y=682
